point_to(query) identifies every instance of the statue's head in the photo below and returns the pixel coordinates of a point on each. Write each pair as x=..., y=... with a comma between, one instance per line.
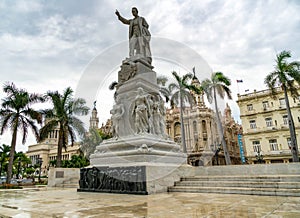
x=140, y=90
x=134, y=11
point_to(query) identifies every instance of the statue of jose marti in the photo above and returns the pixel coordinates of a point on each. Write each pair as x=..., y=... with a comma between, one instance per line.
x=139, y=35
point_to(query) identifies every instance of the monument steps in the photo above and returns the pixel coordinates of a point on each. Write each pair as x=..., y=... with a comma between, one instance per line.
x=274, y=185
x=254, y=178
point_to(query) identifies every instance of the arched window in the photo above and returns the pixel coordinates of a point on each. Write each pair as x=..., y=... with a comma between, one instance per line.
x=177, y=129
x=204, y=126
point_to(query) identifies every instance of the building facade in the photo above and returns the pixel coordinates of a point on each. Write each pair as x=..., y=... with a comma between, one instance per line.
x=203, y=140
x=202, y=137
x=45, y=152
x=265, y=124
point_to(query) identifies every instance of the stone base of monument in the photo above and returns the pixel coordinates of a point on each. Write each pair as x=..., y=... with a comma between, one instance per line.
x=139, y=179
x=137, y=149
x=138, y=164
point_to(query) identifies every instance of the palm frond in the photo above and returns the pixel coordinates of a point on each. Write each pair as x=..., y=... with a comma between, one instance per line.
x=177, y=77
x=79, y=107
x=34, y=128
x=161, y=80
x=207, y=89
x=186, y=78
x=78, y=125
x=49, y=126
x=228, y=92
x=173, y=86
x=175, y=98
x=71, y=134
x=6, y=121
x=24, y=127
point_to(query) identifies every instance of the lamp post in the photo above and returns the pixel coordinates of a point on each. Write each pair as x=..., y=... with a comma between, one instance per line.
x=216, y=149
x=259, y=156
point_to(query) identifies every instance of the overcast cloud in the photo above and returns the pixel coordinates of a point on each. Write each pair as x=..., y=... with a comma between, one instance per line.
x=48, y=45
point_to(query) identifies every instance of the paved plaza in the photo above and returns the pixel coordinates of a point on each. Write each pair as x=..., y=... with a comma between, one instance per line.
x=54, y=202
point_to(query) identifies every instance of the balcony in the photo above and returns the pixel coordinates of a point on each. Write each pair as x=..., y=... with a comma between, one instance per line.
x=284, y=126
x=250, y=112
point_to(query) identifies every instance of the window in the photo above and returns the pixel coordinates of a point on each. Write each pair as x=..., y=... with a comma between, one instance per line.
x=250, y=107
x=252, y=124
x=269, y=122
x=281, y=101
x=256, y=146
x=195, y=127
x=273, y=144
x=285, y=119
x=265, y=105
x=289, y=142
x=177, y=129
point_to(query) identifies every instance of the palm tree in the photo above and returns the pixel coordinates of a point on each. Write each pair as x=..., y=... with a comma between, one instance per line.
x=63, y=116
x=180, y=94
x=4, y=156
x=164, y=90
x=21, y=161
x=284, y=75
x=218, y=84
x=17, y=115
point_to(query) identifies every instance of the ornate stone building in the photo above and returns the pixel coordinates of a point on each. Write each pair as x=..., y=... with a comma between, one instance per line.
x=202, y=138
x=265, y=125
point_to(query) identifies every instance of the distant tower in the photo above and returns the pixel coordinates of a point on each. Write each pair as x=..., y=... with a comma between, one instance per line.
x=199, y=98
x=94, y=120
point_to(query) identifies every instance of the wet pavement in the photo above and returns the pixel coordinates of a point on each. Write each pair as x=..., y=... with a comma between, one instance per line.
x=54, y=202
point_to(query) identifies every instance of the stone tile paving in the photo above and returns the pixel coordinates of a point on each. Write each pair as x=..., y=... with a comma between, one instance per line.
x=70, y=203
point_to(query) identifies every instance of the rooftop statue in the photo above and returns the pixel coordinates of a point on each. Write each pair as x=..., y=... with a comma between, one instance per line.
x=139, y=35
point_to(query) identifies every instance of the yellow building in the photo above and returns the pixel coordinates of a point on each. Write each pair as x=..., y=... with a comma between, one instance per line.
x=265, y=125
x=47, y=151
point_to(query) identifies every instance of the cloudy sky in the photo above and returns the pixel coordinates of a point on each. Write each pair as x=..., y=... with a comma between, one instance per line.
x=50, y=45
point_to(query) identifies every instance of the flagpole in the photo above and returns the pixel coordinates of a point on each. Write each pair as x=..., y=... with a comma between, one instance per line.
x=238, y=88
x=238, y=81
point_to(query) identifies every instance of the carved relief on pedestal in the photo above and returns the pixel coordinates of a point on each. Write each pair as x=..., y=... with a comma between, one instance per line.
x=128, y=71
x=147, y=113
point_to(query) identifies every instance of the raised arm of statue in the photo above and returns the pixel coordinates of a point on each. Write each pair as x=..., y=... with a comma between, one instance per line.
x=122, y=19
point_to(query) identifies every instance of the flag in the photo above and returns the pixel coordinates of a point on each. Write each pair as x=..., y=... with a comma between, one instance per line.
x=239, y=80
x=247, y=90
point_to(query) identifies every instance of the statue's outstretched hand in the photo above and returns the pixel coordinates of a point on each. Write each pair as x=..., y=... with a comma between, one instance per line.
x=117, y=13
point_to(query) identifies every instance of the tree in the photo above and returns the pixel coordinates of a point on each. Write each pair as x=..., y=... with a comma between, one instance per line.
x=21, y=161
x=78, y=161
x=218, y=84
x=18, y=115
x=164, y=90
x=90, y=141
x=4, y=157
x=63, y=116
x=285, y=75
x=180, y=95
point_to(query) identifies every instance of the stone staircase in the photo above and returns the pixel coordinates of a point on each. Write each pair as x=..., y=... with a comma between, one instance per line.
x=248, y=180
